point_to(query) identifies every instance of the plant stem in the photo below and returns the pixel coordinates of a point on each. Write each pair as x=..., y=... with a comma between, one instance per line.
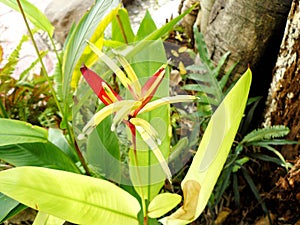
x=45, y=73
x=122, y=29
x=133, y=135
x=81, y=159
x=55, y=50
x=39, y=56
x=4, y=113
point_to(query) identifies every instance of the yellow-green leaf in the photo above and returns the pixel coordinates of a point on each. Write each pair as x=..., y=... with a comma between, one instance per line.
x=72, y=197
x=46, y=219
x=212, y=153
x=162, y=204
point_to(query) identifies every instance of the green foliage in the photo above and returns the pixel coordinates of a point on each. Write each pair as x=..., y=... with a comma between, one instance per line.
x=243, y=153
x=63, y=194
x=9, y=207
x=122, y=23
x=23, y=144
x=74, y=47
x=213, y=150
x=27, y=97
x=266, y=133
x=26, y=145
x=29, y=148
x=210, y=89
x=12, y=60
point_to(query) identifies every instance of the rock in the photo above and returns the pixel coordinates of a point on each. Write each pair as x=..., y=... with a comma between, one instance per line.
x=62, y=14
x=127, y=2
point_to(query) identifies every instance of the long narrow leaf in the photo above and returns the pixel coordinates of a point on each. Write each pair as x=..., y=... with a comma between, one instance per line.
x=212, y=153
x=254, y=189
x=37, y=154
x=147, y=26
x=88, y=57
x=75, y=198
x=266, y=133
x=203, y=53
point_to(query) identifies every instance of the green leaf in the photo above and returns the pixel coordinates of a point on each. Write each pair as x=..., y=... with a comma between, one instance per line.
x=75, y=198
x=103, y=147
x=9, y=207
x=13, y=59
x=226, y=76
x=254, y=189
x=7, y=204
x=33, y=14
x=207, y=83
x=266, y=133
x=267, y=158
x=121, y=28
x=162, y=204
x=223, y=59
x=57, y=138
x=37, y=154
x=212, y=153
x=145, y=64
x=239, y=163
x=147, y=27
x=201, y=46
x=45, y=219
x=278, y=154
x=16, y=132
x=275, y=142
x=223, y=183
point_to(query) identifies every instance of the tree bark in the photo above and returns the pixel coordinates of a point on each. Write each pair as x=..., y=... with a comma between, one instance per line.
x=206, y=7
x=283, y=104
x=189, y=20
x=251, y=31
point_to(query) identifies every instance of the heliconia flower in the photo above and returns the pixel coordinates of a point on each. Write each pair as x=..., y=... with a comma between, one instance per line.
x=128, y=110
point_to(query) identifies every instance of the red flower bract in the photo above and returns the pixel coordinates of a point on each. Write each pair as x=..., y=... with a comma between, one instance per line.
x=104, y=92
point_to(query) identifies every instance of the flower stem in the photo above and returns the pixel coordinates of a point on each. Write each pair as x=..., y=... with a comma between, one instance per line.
x=81, y=159
x=45, y=73
x=40, y=57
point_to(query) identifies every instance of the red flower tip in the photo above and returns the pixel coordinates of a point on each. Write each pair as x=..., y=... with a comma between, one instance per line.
x=104, y=92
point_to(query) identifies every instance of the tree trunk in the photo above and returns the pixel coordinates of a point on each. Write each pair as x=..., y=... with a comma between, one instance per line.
x=252, y=32
x=189, y=20
x=283, y=105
